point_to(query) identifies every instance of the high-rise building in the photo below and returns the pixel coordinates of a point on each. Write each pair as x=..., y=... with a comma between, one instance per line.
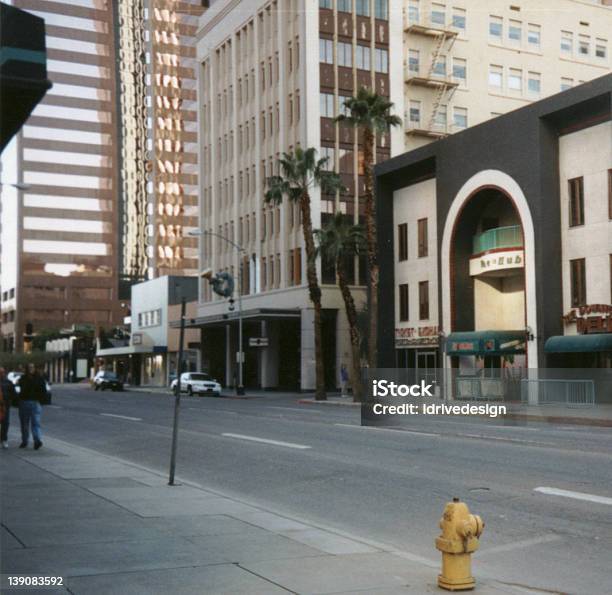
x=108, y=159
x=468, y=61
x=273, y=76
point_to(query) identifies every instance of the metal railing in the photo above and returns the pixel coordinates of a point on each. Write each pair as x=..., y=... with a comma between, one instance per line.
x=548, y=391
x=500, y=237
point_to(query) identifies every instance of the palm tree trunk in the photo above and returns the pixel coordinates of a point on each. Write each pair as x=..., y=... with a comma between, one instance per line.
x=351, y=315
x=315, y=295
x=370, y=225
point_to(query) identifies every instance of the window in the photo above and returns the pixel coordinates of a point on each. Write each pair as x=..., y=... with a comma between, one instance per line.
x=326, y=105
x=345, y=54
x=438, y=14
x=459, y=69
x=584, y=45
x=362, y=7
x=413, y=61
x=362, y=57
x=345, y=5
x=567, y=42
x=413, y=11
x=422, y=237
x=496, y=28
x=534, y=82
x=342, y=109
x=381, y=9
x=533, y=35
x=578, y=282
x=326, y=51
x=515, y=79
x=440, y=118
x=325, y=4
x=423, y=300
x=576, y=201
x=460, y=117
x=566, y=84
x=403, y=302
x=601, y=48
x=439, y=68
x=415, y=112
x=515, y=31
x=459, y=18
x=495, y=76
x=381, y=60
x=402, y=241
x=329, y=154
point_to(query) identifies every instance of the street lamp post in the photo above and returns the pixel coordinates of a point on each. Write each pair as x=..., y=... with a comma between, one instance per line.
x=240, y=252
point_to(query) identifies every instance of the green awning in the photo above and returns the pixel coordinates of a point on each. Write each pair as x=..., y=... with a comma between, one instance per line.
x=579, y=343
x=486, y=343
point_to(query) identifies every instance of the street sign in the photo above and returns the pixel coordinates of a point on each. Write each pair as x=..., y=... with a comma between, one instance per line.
x=258, y=342
x=238, y=358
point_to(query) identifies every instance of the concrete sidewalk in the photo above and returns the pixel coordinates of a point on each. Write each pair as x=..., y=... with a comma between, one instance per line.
x=108, y=526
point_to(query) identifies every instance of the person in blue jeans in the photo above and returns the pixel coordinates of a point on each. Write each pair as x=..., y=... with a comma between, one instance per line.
x=32, y=394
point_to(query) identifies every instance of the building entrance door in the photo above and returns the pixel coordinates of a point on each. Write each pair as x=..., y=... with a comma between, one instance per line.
x=426, y=364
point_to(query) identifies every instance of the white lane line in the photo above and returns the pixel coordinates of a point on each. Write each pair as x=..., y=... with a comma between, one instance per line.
x=266, y=441
x=398, y=431
x=122, y=416
x=296, y=409
x=516, y=545
x=504, y=439
x=574, y=495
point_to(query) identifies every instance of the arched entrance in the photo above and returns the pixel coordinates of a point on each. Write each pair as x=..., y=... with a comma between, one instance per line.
x=488, y=273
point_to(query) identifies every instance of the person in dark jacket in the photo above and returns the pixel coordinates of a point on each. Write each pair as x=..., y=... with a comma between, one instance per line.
x=32, y=394
x=7, y=390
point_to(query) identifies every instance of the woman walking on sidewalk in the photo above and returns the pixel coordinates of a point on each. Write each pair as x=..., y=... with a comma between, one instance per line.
x=7, y=396
x=32, y=394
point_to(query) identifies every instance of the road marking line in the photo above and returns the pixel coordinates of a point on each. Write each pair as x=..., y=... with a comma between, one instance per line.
x=504, y=439
x=574, y=495
x=516, y=545
x=54, y=406
x=266, y=441
x=296, y=409
x=122, y=416
x=387, y=429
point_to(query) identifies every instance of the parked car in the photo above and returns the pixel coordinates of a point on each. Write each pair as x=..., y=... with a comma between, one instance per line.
x=198, y=383
x=14, y=378
x=104, y=379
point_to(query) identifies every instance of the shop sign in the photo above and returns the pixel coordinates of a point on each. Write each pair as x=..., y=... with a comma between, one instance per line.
x=590, y=319
x=136, y=338
x=415, y=337
x=508, y=259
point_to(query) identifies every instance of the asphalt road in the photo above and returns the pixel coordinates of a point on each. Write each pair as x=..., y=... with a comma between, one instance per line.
x=544, y=492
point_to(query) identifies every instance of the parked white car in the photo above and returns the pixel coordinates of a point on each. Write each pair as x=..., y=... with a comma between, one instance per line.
x=198, y=383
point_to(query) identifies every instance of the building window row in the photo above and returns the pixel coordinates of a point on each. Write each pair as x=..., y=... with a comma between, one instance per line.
x=404, y=301
x=150, y=318
x=460, y=116
x=422, y=240
x=514, y=80
x=438, y=15
x=582, y=46
x=514, y=35
x=363, y=55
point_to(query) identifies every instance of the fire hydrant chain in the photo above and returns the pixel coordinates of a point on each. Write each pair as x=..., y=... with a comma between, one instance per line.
x=459, y=539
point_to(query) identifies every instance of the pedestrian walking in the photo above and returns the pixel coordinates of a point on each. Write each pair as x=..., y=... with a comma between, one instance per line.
x=344, y=378
x=32, y=395
x=7, y=398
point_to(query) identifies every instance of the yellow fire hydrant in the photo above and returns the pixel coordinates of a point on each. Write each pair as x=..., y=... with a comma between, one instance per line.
x=459, y=539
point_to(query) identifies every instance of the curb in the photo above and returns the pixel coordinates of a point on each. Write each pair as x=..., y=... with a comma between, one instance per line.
x=579, y=421
x=332, y=403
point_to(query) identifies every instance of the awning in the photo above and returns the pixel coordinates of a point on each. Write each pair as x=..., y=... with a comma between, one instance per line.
x=130, y=350
x=256, y=314
x=486, y=343
x=579, y=343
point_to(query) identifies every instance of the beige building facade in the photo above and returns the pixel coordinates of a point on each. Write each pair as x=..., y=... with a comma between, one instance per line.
x=467, y=61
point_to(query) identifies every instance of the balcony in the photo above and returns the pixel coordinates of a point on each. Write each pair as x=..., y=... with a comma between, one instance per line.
x=497, y=239
x=431, y=79
x=425, y=25
x=497, y=252
x=419, y=128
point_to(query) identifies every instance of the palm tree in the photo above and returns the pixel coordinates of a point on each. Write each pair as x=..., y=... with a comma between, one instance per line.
x=371, y=114
x=299, y=172
x=339, y=241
